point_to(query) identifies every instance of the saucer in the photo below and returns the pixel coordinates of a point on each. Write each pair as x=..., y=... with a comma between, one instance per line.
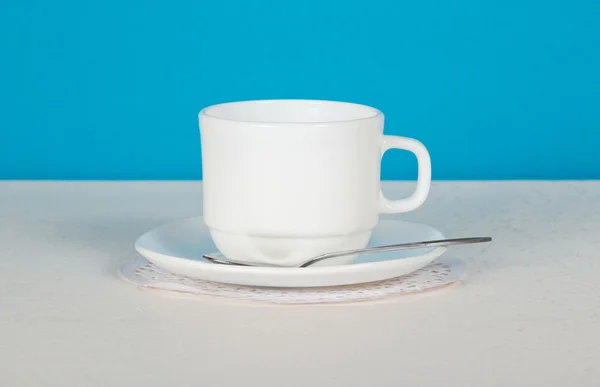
x=178, y=247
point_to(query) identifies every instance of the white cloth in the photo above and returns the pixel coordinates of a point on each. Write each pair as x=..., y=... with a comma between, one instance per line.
x=443, y=271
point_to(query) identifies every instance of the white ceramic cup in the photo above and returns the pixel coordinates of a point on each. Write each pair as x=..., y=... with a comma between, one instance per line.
x=286, y=180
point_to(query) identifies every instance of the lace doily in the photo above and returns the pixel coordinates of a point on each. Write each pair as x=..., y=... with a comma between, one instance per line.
x=443, y=271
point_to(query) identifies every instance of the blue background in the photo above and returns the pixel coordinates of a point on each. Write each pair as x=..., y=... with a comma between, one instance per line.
x=496, y=89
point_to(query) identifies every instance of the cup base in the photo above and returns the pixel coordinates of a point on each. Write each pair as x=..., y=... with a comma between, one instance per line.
x=287, y=251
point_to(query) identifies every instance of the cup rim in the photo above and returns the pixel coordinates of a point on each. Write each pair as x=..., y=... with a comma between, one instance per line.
x=209, y=112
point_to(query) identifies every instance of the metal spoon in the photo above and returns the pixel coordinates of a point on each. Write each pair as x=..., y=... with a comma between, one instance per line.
x=218, y=258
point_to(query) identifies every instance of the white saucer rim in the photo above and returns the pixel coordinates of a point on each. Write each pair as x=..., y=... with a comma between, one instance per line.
x=294, y=270
x=435, y=252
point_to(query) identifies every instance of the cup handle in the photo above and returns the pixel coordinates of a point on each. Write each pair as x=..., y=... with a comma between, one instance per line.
x=388, y=206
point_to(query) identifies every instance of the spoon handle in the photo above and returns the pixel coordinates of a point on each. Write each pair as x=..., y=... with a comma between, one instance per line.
x=402, y=246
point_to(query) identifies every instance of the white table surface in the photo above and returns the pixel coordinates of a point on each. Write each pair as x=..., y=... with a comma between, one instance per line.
x=527, y=314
